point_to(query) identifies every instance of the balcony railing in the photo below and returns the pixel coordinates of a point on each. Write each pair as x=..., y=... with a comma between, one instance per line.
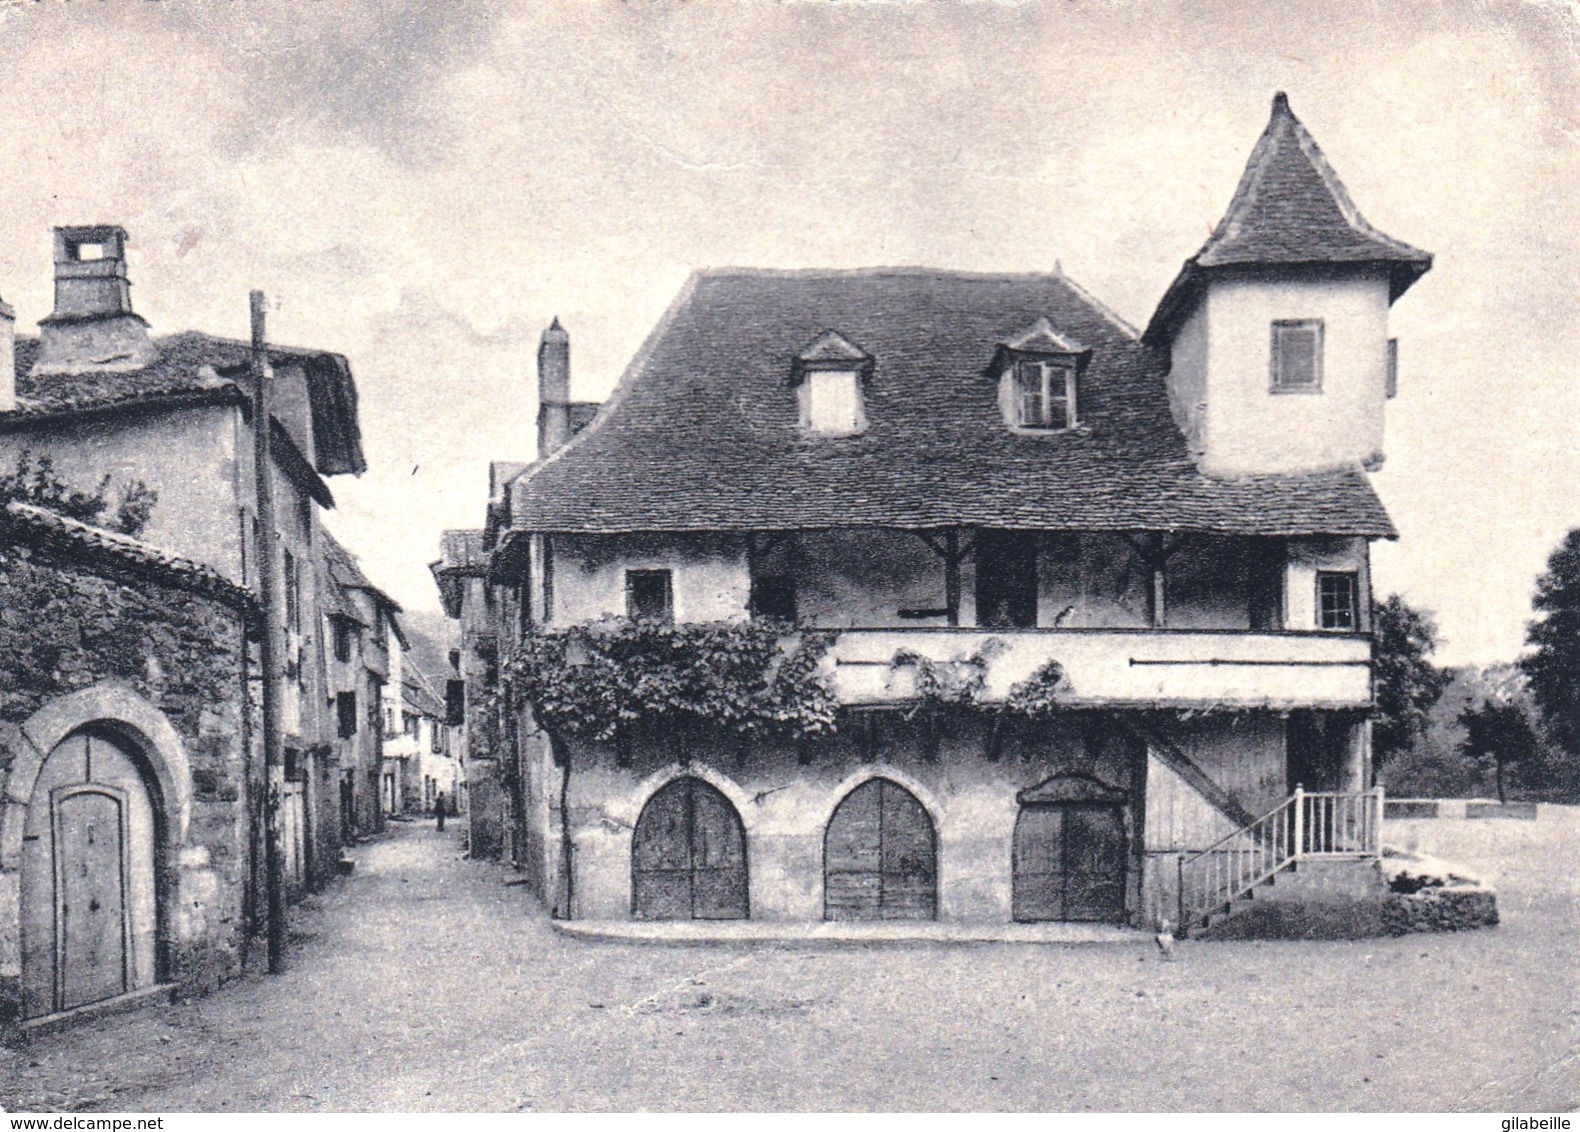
x=1115, y=667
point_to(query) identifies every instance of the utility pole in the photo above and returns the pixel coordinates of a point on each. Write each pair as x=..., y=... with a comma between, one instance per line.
x=269, y=641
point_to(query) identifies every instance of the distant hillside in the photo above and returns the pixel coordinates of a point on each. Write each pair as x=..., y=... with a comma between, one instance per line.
x=432, y=636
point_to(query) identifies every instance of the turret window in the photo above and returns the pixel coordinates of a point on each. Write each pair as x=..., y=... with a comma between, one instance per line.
x=1045, y=394
x=1337, y=600
x=1297, y=355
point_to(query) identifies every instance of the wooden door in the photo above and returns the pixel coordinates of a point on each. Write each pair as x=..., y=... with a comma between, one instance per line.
x=1069, y=863
x=89, y=902
x=688, y=856
x=1006, y=579
x=91, y=937
x=880, y=856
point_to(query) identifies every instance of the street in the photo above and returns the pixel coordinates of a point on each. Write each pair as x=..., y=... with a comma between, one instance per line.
x=429, y=982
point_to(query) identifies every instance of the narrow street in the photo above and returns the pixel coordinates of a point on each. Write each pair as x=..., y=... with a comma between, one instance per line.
x=428, y=982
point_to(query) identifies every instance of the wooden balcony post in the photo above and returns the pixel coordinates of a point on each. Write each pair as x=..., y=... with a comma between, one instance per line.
x=1300, y=822
x=952, y=576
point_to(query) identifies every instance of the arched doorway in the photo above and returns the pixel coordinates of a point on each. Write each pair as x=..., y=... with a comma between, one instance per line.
x=688, y=856
x=880, y=856
x=1070, y=851
x=89, y=898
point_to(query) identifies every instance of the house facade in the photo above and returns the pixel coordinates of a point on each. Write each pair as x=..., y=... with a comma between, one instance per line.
x=1096, y=602
x=363, y=631
x=96, y=398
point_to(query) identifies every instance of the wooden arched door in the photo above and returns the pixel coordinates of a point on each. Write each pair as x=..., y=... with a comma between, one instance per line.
x=880, y=856
x=89, y=903
x=688, y=856
x=1070, y=852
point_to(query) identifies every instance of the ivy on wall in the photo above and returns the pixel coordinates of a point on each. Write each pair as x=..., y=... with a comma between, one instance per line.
x=747, y=677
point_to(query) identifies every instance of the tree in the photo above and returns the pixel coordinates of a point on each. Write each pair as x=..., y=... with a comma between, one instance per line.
x=1554, y=636
x=1406, y=682
x=1501, y=732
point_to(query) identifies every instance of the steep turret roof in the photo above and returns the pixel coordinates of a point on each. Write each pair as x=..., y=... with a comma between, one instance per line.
x=1289, y=208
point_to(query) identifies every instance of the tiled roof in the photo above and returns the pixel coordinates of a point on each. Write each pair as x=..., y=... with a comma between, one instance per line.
x=702, y=433
x=1290, y=208
x=582, y=414
x=29, y=524
x=462, y=554
x=199, y=366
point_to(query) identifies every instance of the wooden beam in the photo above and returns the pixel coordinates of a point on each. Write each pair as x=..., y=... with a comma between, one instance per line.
x=952, y=576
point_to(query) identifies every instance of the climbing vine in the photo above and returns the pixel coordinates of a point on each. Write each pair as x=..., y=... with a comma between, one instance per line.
x=751, y=678
x=36, y=482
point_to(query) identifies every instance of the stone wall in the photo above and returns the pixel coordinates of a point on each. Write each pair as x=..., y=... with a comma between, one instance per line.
x=82, y=630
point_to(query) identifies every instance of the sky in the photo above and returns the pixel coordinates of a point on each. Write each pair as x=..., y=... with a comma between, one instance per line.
x=422, y=187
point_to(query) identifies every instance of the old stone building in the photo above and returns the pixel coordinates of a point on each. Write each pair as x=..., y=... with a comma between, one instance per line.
x=129, y=778
x=1093, y=603
x=365, y=638
x=100, y=395
x=96, y=399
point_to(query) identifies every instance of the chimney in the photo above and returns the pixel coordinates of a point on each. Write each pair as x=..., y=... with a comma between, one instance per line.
x=92, y=328
x=554, y=389
x=7, y=357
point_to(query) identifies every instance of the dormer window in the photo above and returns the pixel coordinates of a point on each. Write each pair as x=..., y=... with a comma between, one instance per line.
x=1045, y=393
x=1039, y=373
x=829, y=376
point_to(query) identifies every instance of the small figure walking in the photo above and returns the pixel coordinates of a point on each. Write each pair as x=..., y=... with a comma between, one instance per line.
x=438, y=809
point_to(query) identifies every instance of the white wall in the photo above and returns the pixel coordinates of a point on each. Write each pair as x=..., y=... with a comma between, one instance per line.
x=1247, y=428
x=710, y=577
x=1187, y=381
x=1306, y=557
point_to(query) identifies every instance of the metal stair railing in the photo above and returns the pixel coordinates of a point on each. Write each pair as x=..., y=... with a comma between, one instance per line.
x=1333, y=825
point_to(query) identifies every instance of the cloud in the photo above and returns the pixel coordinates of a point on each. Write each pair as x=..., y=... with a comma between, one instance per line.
x=423, y=185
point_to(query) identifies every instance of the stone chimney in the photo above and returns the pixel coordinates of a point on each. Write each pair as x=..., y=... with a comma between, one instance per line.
x=554, y=389
x=92, y=328
x=7, y=357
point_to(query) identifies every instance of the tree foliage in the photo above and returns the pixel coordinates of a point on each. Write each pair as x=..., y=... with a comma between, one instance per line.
x=1499, y=732
x=748, y=677
x=1553, y=665
x=36, y=482
x=1406, y=682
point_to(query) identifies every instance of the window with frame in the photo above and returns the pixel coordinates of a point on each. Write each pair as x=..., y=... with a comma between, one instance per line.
x=1338, y=604
x=344, y=631
x=649, y=595
x=1045, y=393
x=1297, y=355
x=346, y=712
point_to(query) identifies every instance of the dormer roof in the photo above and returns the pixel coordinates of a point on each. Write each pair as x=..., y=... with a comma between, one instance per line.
x=1290, y=208
x=830, y=350
x=1041, y=338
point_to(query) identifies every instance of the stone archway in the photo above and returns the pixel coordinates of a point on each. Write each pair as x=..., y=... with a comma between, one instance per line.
x=137, y=804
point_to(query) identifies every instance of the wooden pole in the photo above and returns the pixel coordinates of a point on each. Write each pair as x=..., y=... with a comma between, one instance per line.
x=269, y=642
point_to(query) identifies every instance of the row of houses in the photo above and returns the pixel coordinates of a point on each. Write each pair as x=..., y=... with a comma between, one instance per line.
x=1082, y=611
x=133, y=780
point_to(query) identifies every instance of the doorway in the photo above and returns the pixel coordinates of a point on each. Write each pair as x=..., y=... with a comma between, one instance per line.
x=89, y=898
x=688, y=856
x=880, y=856
x=1006, y=579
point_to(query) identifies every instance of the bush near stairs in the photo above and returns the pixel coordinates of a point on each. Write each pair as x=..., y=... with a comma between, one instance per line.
x=1429, y=895
x=1400, y=894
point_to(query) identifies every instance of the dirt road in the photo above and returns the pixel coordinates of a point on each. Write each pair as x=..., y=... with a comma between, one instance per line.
x=426, y=982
